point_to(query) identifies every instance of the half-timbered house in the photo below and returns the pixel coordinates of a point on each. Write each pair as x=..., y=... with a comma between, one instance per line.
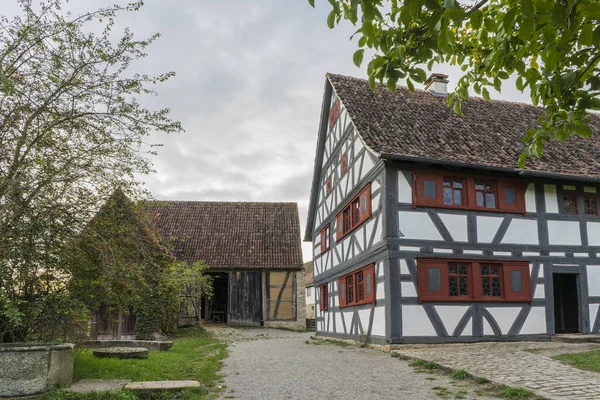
x=254, y=254
x=424, y=229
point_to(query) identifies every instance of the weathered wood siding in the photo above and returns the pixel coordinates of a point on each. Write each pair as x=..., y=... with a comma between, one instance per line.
x=245, y=298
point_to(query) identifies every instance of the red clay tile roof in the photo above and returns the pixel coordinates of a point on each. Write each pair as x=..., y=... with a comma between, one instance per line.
x=309, y=274
x=231, y=235
x=420, y=126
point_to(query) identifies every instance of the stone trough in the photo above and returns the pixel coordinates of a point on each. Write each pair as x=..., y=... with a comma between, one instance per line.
x=121, y=352
x=148, y=344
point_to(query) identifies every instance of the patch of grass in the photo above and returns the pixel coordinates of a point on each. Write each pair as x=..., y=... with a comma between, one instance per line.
x=481, y=381
x=460, y=375
x=461, y=394
x=430, y=378
x=515, y=393
x=195, y=355
x=331, y=342
x=589, y=360
x=442, y=392
x=401, y=356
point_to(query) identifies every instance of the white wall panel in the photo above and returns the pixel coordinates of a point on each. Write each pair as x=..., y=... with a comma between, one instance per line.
x=415, y=322
x=408, y=289
x=378, y=328
x=551, y=198
x=504, y=316
x=593, y=229
x=564, y=232
x=540, y=291
x=535, y=322
x=404, y=189
x=450, y=316
x=417, y=225
x=468, y=331
x=487, y=228
x=456, y=225
x=530, y=198
x=593, y=278
x=522, y=231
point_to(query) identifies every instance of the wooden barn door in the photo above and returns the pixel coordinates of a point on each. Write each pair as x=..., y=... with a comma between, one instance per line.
x=245, y=298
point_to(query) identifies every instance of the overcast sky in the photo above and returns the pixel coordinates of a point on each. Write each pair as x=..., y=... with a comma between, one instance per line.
x=248, y=91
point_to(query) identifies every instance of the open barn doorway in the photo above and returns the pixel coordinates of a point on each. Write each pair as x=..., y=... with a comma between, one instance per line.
x=215, y=308
x=566, y=303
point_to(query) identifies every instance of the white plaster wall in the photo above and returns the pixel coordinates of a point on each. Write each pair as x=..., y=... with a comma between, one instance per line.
x=456, y=225
x=522, y=231
x=415, y=322
x=504, y=316
x=408, y=289
x=417, y=225
x=367, y=166
x=378, y=328
x=450, y=316
x=593, y=229
x=487, y=328
x=593, y=278
x=530, y=198
x=540, y=291
x=468, y=331
x=535, y=322
x=564, y=232
x=551, y=198
x=404, y=189
x=593, y=313
x=487, y=228
x=404, y=267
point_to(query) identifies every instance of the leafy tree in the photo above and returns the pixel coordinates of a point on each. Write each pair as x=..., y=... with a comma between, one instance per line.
x=552, y=47
x=71, y=130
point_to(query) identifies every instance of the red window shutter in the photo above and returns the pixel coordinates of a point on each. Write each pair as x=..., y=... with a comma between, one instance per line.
x=370, y=283
x=511, y=195
x=323, y=243
x=342, y=291
x=335, y=112
x=517, y=286
x=364, y=201
x=427, y=188
x=324, y=301
x=339, y=226
x=432, y=280
x=344, y=163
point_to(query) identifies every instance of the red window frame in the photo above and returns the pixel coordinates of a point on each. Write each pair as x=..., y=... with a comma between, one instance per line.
x=357, y=287
x=354, y=214
x=569, y=199
x=344, y=163
x=334, y=114
x=325, y=245
x=328, y=186
x=428, y=191
x=453, y=190
x=323, y=297
x=514, y=280
x=493, y=189
x=587, y=207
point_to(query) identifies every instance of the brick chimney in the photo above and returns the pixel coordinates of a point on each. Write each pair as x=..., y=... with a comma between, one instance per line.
x=437, y=84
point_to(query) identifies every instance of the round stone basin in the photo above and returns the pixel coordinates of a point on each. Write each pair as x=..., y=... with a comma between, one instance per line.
x=121, y=352
x=33, y=368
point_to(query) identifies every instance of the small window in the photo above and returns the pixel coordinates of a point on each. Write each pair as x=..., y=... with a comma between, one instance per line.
x=344, y=164
x=358, y=287
x=357, y=212
x=485, y=194
x=570, y=204
x=325, y=239
x=453, y=191
x=429, y=189
x=324, y=297
x=448, y=280
x=590, y=204
x=510, y=195
x=308, y=291
x=334, y=114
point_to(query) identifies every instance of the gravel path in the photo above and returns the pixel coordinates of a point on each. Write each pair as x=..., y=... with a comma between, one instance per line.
x=273, y=364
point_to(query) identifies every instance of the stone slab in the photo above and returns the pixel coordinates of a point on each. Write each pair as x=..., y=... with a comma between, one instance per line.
x=162, y=345
x=161, y=385
x=97, y=385
x=576, y=338
x=121, y=352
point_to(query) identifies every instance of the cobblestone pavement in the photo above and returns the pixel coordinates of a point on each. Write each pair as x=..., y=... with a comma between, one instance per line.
x=510, y=364
x=274, y=364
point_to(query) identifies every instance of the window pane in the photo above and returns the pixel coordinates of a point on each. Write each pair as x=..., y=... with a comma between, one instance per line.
x=490, y=200
x=479, y=186
x=463, y=285
x=496, y=286
x=434, y=277
x=448, y=196
x=453, y=285
x=515, y=281
x=486, y=286
x=368, y=283
x=510, y=195
x=479, y=197
x=429, y=189
x=458, y=197
x=363, y=203
x=343, y=291
x=458, y=183
x=447, y=182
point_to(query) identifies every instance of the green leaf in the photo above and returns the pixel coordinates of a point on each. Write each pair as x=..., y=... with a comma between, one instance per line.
x=485, y=93
x=331, y=19
x=392, y=83
x=372, y=83
x=586, y=36
x=449, y=3
x=522, y=159
x=421, y=74
x=596, y=37
x=476, y=19
x=457, y=108
x=312, y=3
x=410, y=85
x=583, y=130
x=358, y=57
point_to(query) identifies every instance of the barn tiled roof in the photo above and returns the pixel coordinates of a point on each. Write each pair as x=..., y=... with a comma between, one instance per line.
x=231, y=235
x=420, y=126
